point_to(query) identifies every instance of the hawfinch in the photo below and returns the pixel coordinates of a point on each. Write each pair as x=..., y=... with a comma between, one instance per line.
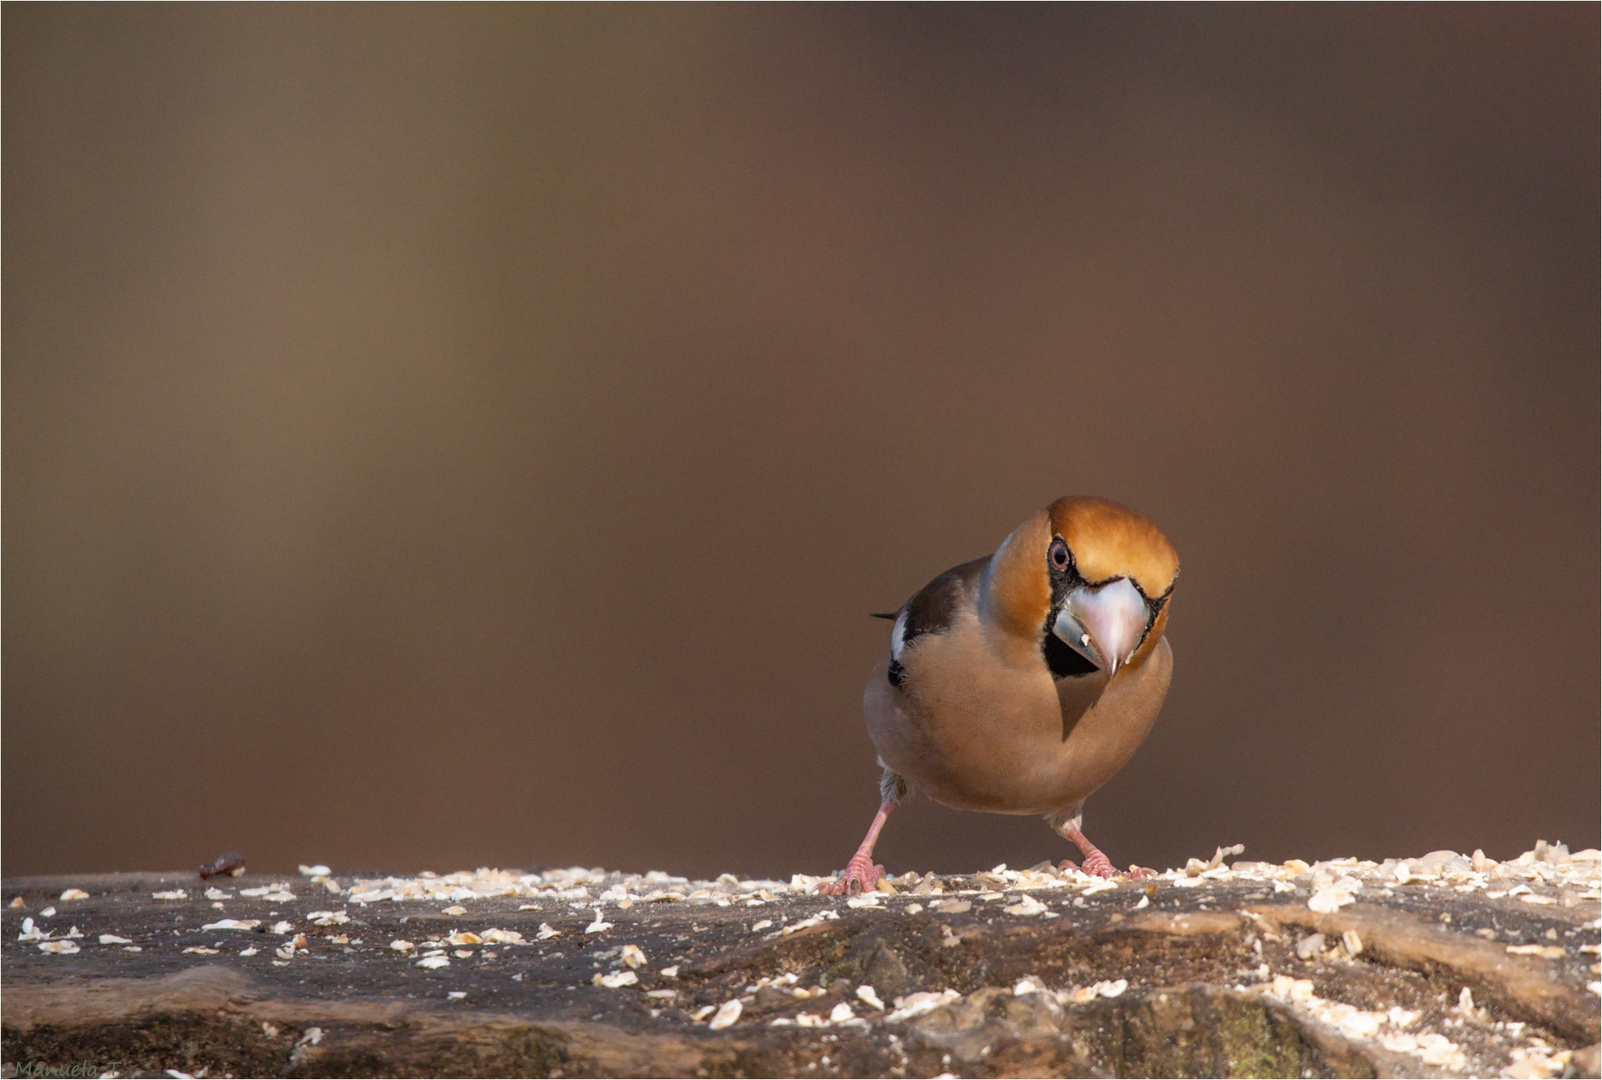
x=1021, y=682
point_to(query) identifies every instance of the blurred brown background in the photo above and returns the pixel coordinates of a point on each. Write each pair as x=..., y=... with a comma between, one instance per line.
x=452, y=436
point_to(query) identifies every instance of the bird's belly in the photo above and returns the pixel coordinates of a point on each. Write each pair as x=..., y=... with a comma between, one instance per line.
x=1019, y=745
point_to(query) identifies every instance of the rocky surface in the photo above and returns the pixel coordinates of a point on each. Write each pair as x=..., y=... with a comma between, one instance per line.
x=1447, y=965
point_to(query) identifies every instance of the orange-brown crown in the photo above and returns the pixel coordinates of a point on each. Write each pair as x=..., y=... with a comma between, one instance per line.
x=1107, y=540
x=1110, y=540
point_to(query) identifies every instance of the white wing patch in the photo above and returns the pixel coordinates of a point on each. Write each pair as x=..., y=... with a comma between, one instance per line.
x=898, y=636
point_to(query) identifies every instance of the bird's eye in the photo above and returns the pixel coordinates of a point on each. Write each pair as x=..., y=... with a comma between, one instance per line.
x=1059, y=554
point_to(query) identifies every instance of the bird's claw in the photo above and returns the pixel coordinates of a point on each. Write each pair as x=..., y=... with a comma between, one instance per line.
x=859, y=872
x=1098, y=865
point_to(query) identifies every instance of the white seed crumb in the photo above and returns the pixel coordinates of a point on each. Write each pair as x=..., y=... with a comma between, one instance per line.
x=233, y=924
x=727, y=1014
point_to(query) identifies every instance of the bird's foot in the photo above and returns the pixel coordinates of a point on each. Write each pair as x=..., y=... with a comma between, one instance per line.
x=860, y=872
x=1098, y=865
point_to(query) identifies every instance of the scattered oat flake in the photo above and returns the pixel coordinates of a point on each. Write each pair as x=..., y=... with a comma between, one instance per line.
x=170, y=894
x=328, y=918
x=314, y=871
x=463, y=937
x=30, y=932
x=233, y=924
x=1549, y=952
x=616, y=979
x=1027, y=906
x=62, y=948
x=671, y=972
x=726, y=1015
x=17, y=902
x=816, y=920
x=842, y=1013
x=252, y=951
x=74, y=894
x=1328, y=899
x=493, y=936
x=869, y=997
x=402, y=945
x=762, y=924
x=201, y=950
x=599, y=926
x=911, y=1005
x=632, y=956
x=113, y=939
x=434, y=962
x=547, y=931
x=454, y=909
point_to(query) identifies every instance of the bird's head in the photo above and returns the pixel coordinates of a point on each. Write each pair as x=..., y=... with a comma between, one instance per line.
x=1093, y=574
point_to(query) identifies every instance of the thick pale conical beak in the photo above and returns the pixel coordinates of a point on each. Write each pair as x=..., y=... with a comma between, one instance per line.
x=1104, y=625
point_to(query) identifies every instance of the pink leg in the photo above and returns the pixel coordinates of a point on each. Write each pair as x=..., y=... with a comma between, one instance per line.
x=861, y=871
x=1096, y=863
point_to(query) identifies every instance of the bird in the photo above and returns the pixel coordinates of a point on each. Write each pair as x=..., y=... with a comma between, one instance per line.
x=1021, y=682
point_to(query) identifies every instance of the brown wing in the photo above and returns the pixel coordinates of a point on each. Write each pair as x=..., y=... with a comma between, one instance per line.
x=932, y=608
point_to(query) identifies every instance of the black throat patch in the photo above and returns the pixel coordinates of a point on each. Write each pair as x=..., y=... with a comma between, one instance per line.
x=1063, y=661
